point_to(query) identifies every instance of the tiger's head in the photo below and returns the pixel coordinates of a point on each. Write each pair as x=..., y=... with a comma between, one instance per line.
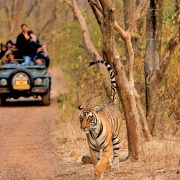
x=88, y=119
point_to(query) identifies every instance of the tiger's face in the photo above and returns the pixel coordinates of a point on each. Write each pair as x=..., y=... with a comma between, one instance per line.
x=88, y=120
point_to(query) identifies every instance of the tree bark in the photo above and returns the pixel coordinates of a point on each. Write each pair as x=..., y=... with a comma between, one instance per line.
x=154, y=65
x=125, y=84
x=97, y=9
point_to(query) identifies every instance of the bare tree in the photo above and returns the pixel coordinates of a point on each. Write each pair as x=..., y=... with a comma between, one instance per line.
x=135, y=118
x=155, y=64
x=89, y=45
x=30, y=12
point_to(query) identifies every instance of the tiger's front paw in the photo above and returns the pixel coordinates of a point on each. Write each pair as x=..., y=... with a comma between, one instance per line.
x=99, y=176
x=109, y=168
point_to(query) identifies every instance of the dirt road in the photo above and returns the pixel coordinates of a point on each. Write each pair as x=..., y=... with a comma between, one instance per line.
x=29, y=150
x=33, y=146
x=26, y=149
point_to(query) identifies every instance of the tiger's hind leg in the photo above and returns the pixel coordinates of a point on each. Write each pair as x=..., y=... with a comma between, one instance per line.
x=116, y=148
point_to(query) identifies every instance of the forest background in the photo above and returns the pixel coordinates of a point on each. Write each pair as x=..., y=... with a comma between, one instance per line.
x=54, y=24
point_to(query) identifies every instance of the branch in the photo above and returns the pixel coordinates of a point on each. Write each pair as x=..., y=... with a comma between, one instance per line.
x=142, y=5
x=97, y=10
x=87, y=40
x=31, y=9
x=173, y=42
x=44, y=27
x=89, y=45
x=127, y=39
x=130, y=58
x=120, y=30
x=49, y=23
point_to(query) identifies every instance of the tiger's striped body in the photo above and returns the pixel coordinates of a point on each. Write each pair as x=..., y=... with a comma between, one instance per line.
x=102, y=125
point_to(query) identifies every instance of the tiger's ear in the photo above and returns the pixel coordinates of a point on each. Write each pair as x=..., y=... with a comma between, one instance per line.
x=98, y=109
x=80, y=107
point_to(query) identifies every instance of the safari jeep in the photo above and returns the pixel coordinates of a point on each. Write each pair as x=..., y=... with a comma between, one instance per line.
x=24, y=81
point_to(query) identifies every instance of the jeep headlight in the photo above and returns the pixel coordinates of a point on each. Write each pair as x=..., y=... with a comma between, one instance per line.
x=38, y=81
x=3, y=82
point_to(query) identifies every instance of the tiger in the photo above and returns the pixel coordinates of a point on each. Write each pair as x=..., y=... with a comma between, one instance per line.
x=102, y=126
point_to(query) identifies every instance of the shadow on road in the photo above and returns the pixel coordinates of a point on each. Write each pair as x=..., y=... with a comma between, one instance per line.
x=22, y=103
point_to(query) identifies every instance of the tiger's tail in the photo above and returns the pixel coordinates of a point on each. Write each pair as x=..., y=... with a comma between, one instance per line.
x=112, y=76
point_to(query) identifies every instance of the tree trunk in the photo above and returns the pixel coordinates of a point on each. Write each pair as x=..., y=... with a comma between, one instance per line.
x=97, y=9
x=132, y=107
x=152, y=58
x=154, y=64
x=125, y=91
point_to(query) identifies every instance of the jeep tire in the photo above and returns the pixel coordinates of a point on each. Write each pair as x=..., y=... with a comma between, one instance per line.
x=2, y=101
x=46, y=99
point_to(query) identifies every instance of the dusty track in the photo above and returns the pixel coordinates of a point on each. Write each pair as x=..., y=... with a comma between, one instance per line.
x=26, y=149
x=34, y=145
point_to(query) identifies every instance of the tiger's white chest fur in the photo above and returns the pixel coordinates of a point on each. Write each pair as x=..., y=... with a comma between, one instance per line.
x=97, y=135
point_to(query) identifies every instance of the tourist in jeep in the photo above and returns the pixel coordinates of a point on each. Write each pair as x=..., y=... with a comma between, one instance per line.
x=10, y=59
x=33, y=44
x=3, y=50
x=22, y=43
x=42, y=55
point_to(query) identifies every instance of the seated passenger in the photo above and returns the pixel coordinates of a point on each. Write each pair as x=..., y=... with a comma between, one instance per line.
x=2, y=54
x=3, y=50
x=40, y=62
x=33, y=37
x=42, y=53
x=9, y=44
x=12, y=48
x=10, y=59
x=33, y=44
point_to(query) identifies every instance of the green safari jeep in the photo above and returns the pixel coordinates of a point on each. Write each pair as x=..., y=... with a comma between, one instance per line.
x=24, y=81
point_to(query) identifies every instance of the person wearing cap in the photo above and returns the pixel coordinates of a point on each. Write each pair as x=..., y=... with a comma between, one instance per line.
x=10, y=59
x=9, y=44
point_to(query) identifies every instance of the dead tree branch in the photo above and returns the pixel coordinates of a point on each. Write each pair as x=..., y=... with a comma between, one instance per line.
x=173, y=42
x=87, y=40
x=141, y=7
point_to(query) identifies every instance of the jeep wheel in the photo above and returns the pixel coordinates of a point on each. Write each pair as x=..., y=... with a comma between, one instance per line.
x=2, y=101
x=46, y=99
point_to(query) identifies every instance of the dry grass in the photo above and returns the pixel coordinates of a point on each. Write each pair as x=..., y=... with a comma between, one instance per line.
x=160, y=158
